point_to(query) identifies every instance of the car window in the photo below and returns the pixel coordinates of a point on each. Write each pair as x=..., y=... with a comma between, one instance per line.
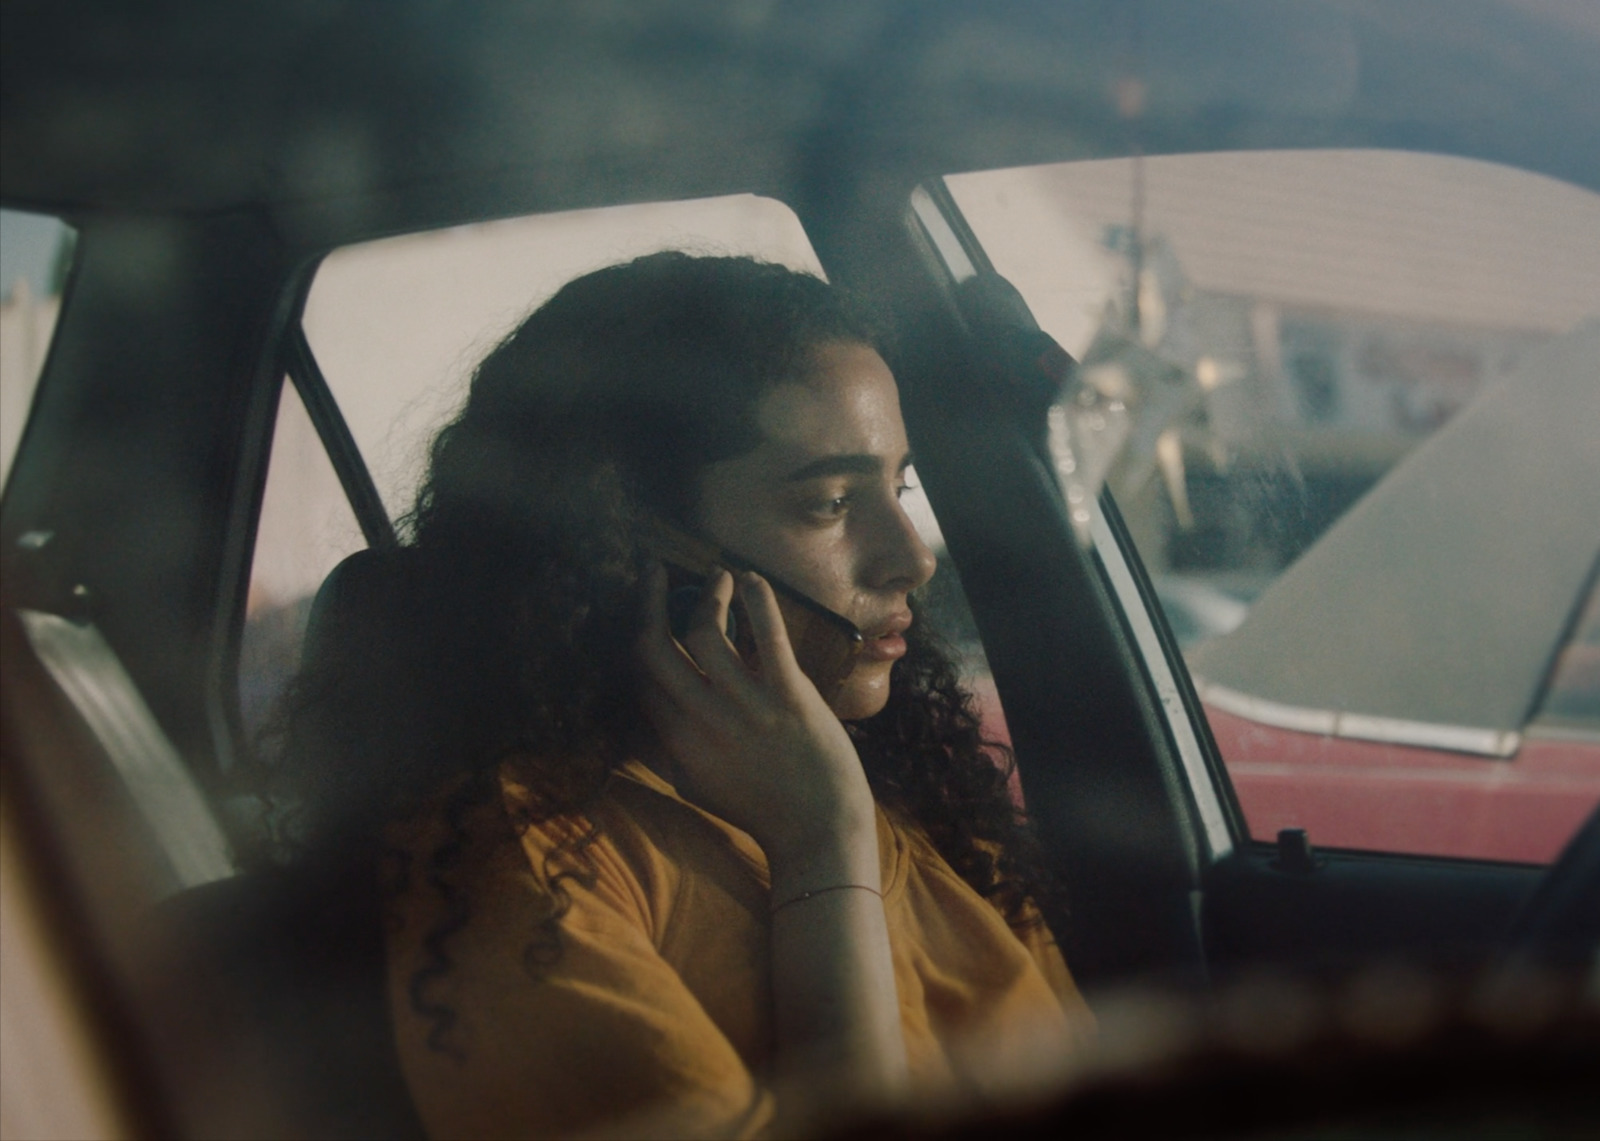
x=397, y=325
x=306, y=527
x=1344, y=403
x=35, y=256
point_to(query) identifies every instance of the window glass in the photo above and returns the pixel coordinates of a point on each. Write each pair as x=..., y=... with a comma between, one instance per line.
x=398, y=325
x=306, y=527
x=35, y=255
x=1345, y=403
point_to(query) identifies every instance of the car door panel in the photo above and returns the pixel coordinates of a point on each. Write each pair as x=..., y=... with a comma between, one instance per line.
x=1352, y=909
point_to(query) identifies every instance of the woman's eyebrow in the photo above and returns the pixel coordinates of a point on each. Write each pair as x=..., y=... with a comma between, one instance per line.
x=854, y=463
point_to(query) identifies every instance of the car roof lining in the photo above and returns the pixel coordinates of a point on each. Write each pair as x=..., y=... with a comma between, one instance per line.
x=404, y=115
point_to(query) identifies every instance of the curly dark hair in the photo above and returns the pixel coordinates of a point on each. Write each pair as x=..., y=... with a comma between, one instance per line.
x=509, y=620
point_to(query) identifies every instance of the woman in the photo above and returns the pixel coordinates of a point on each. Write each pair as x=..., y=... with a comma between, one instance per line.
x=637, y=873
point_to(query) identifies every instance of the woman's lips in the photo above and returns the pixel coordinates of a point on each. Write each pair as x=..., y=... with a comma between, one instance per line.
x=886, y=648
x=888, y=644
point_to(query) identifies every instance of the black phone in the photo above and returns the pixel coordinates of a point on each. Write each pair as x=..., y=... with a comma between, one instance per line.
x=684, y=590
x=826, y=643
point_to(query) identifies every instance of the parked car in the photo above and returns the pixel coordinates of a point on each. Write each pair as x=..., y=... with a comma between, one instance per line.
x=1424, y=676
x=216, y=163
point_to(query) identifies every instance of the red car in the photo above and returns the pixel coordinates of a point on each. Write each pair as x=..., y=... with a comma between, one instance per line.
x=1426, y=678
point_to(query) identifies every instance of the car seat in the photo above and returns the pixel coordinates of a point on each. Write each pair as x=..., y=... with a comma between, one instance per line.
x=277, y=976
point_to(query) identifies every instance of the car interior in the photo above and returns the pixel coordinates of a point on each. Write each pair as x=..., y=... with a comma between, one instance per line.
x=210, y=160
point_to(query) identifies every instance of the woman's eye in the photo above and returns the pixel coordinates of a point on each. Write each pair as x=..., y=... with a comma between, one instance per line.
x=900, y=491
x=829, y=506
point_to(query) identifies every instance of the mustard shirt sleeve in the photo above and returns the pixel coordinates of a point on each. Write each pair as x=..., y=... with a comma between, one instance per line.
x=604, y=1040
x=1080, y=1019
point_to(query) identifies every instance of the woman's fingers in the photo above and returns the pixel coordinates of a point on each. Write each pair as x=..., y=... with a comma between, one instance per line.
x=758, y=746
x=683, y=668
x=666, y=662
x=702, y=673
x=707, y=639
x=768, y=629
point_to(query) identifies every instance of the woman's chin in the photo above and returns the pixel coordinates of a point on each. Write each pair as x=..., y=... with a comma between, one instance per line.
x=861, y=696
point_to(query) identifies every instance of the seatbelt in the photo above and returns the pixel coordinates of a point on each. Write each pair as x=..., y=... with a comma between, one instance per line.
x=89, y=673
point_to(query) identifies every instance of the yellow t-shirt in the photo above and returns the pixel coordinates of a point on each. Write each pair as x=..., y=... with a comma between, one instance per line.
x=659, y=1000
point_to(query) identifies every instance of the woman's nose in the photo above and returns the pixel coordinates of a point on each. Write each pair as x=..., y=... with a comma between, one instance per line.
x=904, y=561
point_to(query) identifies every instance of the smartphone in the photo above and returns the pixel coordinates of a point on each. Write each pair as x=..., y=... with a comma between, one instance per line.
x=826, y=644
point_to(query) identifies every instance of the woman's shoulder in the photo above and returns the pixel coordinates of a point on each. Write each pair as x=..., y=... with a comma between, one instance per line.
x=636, y=815
x=937, y=897
x=492, y=846
x=994, y=962
x=635, y=836
x=638, y=844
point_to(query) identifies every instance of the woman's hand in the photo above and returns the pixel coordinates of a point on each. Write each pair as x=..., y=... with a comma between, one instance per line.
x=755, y=741
x=758, y=746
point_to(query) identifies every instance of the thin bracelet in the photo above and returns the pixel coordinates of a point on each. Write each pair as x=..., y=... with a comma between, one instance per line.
x=805, y=895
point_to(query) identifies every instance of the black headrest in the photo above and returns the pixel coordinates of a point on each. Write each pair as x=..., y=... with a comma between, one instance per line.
x=352, y=602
